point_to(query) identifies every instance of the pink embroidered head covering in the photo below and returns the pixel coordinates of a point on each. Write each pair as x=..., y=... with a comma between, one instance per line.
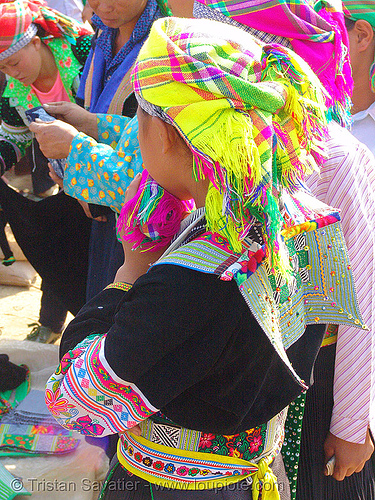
x=302, y=26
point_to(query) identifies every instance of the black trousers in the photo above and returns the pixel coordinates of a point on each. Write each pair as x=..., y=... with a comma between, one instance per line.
x=52, y=310
x=105, y=256
x=4, y=244
x=40, y=178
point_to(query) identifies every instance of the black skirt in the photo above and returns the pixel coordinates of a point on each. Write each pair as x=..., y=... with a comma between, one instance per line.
x=312, y=484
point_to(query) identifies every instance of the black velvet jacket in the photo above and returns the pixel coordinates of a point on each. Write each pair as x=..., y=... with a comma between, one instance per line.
x=190, y=343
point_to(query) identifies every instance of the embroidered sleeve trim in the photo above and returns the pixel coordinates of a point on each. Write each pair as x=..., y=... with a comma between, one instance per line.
x=84, y=397
x=121, y=381
x=120, y=285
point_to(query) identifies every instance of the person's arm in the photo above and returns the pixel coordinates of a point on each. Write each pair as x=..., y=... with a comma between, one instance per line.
x=354, y=350
x=347, y=181
x=91, y=124
x=166, y=312
x=86, y=395
x=350, y=457
x=78, y=117
x=95, y=172
x=349, y=439
x=95, y=317
x=114, y=128
x=98, y=173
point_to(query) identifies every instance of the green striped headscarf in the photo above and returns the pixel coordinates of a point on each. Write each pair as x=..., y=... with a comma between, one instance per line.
x=360, y=10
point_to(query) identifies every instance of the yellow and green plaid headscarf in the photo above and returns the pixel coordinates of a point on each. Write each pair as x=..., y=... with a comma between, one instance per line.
x=252, y=115
x=355, y=10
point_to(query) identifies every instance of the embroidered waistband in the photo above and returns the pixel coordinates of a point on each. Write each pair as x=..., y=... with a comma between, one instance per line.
x=330, y=336
x=187, y=470
x=250, y=445
x=175, y=457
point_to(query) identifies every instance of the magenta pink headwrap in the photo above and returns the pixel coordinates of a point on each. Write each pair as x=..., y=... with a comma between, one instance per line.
x=316, y=33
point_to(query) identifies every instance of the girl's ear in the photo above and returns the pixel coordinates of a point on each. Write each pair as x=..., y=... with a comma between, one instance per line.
x=167, y=133
x=364, y=34
x=37, y=43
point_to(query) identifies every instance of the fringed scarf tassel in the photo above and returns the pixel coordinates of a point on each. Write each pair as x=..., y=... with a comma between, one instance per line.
x=305, y=105
x=240, y=190
x=163, y=6
x=152, y=217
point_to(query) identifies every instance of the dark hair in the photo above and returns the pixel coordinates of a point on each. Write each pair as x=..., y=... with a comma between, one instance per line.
x=349, y=23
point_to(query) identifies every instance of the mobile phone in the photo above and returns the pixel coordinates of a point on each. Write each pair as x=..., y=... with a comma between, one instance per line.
x=330, y=466
x=39, y=112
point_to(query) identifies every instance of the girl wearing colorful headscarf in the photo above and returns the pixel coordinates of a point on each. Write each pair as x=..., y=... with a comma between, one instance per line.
x=42, y=52
x=195, y=361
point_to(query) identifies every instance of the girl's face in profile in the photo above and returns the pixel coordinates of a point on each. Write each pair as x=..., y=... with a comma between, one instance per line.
x=117, y=13
x=165, y=155
x=25, y=64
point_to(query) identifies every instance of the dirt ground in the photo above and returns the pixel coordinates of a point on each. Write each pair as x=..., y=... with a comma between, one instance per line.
x=19, y=307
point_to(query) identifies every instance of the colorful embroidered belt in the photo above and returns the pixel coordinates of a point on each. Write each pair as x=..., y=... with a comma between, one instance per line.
x=179, y=458
x=330, y=336
x=187, y=470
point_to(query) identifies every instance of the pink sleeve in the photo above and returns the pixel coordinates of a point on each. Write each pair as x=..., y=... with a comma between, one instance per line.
x=347, y=181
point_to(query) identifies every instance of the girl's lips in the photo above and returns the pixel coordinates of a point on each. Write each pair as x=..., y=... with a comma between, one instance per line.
x=105, y=21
